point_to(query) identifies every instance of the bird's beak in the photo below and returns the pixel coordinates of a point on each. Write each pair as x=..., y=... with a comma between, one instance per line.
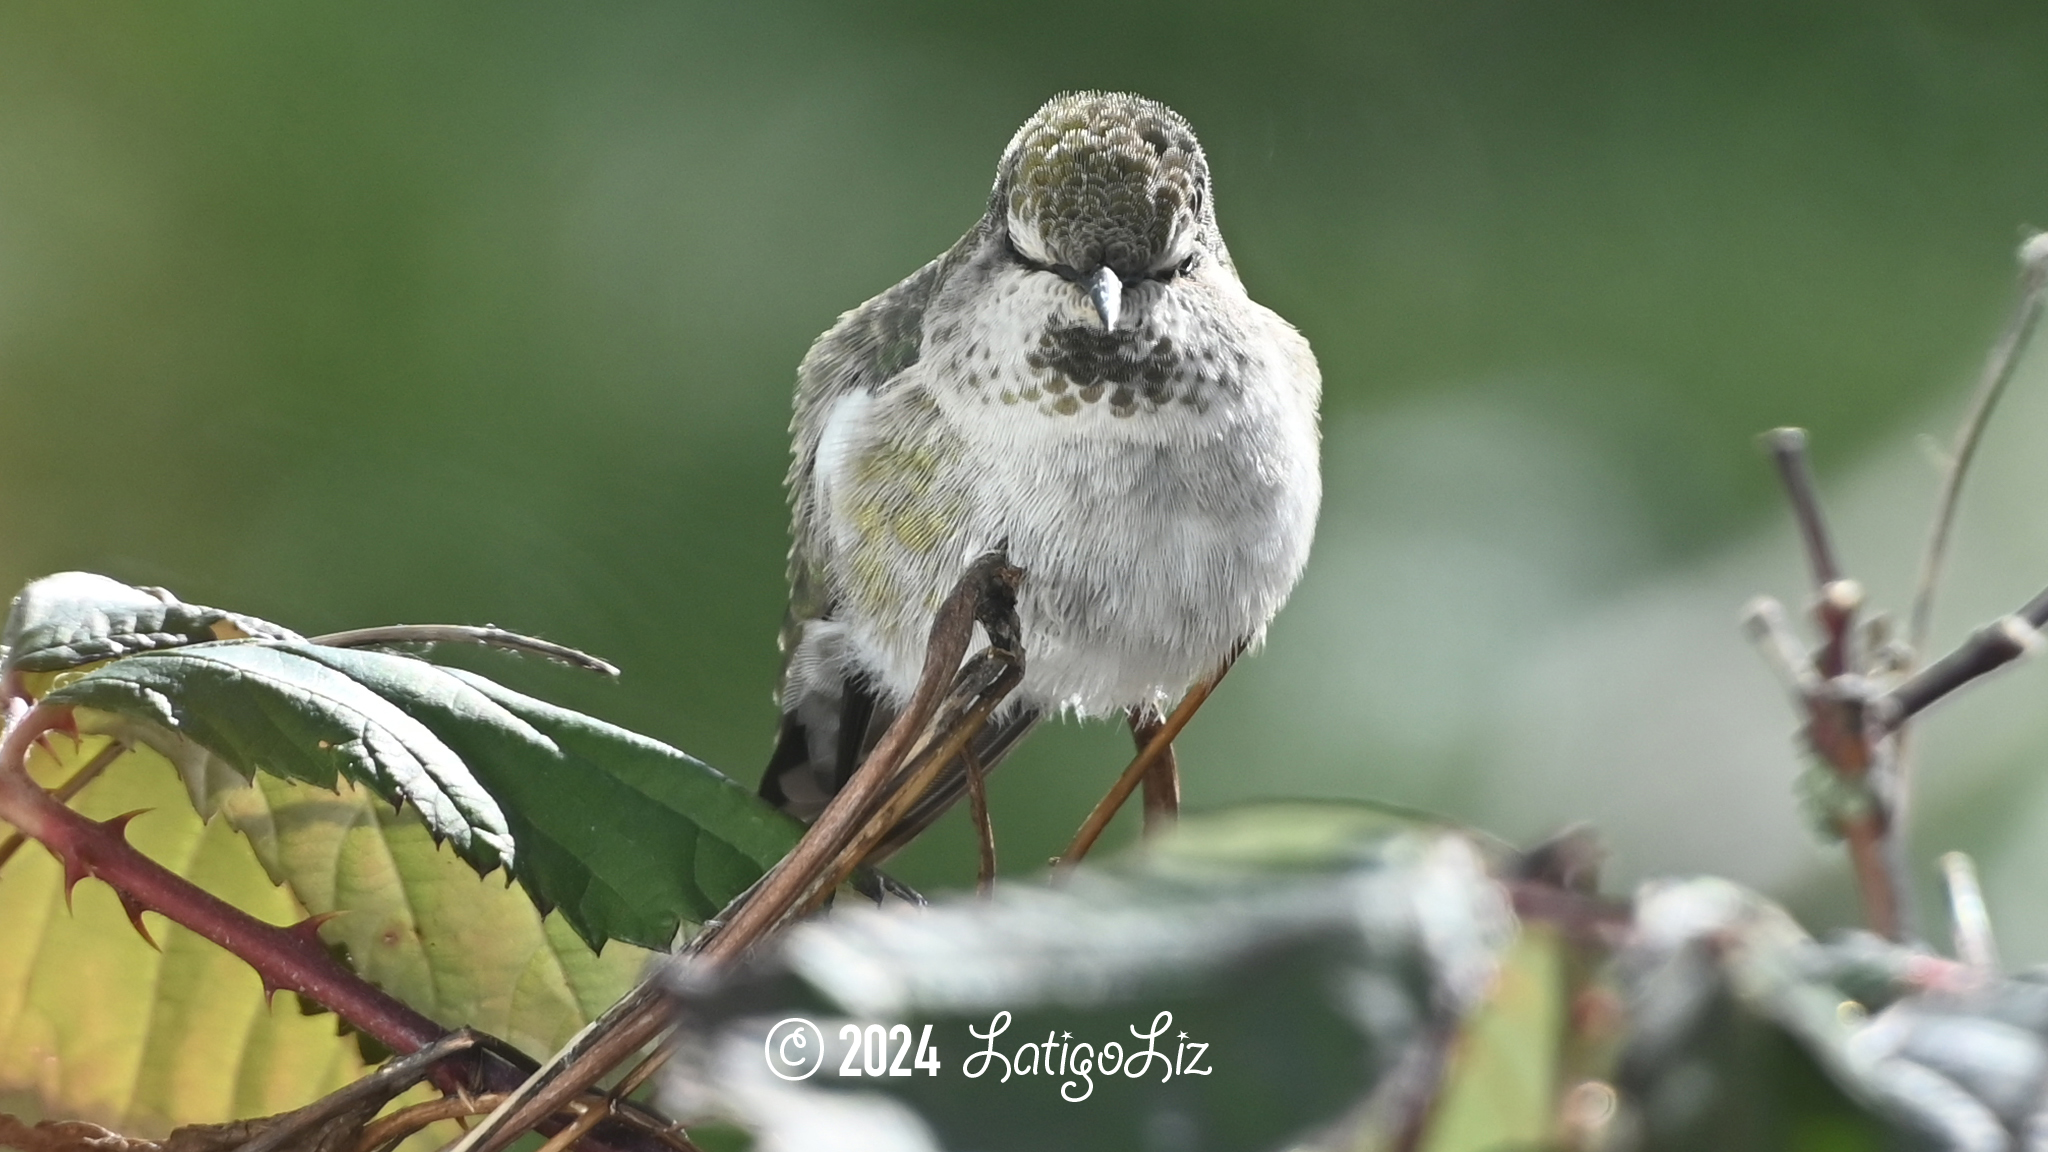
x=1108, y=293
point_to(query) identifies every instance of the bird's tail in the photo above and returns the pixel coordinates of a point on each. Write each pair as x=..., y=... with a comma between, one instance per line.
x=825, y=735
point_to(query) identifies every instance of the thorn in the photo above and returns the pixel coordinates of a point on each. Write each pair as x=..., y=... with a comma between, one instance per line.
x=270, y=990
x=118, y=825
x=308, y=929
x=135, y=910
x=75, y=870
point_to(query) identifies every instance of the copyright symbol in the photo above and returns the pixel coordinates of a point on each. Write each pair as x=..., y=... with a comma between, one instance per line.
x=795, y=1049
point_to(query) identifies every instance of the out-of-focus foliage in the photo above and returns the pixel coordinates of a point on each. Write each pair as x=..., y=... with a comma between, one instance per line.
x=1380, y=998
x=1183, y=998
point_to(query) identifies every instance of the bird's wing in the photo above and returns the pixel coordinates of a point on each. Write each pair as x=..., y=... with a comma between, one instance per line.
x=830, y=720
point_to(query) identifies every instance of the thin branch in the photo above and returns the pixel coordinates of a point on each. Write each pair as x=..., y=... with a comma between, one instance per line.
x=1998, y=372
x=985, y=592
x=966, y=712
x=373, y=1090
x=1837, y=598
x=591, y=1116
x=1985, y=651
x=1787, y=447
x=1162, y=739
x=387, y=1130
x=988, y=589
x=1771, y=631
x=1971, y=919
x=1838, y=724
x=466, y=634
x=1162, y=780
x=984, y=830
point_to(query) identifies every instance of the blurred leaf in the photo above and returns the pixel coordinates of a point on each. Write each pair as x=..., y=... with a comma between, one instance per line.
x=627, y=836
x=95, y=1024
x=1749, y=1033
x=1290, y=835
x=1309, y=988
x=75, y=618
x=1500, y=1089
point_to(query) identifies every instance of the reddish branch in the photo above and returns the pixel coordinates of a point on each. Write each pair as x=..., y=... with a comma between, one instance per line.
x=1833, y=693
x=290, y=957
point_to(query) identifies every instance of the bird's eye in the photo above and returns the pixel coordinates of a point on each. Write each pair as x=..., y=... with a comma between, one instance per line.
x=1167, y=274
x=1063, y=271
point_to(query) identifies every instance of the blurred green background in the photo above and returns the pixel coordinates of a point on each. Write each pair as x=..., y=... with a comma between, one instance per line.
x=366, y=313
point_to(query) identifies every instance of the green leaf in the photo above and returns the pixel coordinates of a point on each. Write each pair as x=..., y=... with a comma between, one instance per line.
x=270, y=709
x=422, y=925
x=75, y=618
x=628, y=837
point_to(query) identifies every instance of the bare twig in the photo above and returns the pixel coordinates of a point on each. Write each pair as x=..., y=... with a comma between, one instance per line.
x=984, y=830
x=389, y=1130
x=1837, y=597
x=1787, y=447
x=1106, y=808
x=1986, y=650
x=374, y=1090
x=981, y=689
x=1833, y=696
x=485, y=635
x=1771, y=631
x=1971, y=920
x=1162, y=780
x=988, y=589
x=986, y=592
x=1998, y=372
x=591, y=1116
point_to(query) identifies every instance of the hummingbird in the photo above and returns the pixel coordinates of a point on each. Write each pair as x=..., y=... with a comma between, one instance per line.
x=1082, y=381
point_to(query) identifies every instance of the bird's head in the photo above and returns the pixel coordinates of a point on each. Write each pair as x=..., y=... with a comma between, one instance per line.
x=1107, y=190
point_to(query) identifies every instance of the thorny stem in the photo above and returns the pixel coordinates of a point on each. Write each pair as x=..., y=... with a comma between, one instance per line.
x=289, y=958
x=285, y=958
x=65, y=791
